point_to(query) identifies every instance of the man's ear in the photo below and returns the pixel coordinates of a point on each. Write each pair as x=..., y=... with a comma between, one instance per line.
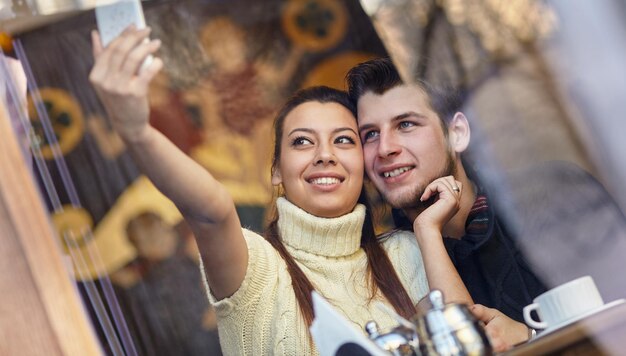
x=459, y=133
x=276, y=178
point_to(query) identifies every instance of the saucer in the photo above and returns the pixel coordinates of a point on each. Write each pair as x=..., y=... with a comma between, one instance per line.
x=562, y=324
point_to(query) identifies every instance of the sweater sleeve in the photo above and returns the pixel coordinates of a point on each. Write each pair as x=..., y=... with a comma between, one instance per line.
x=260, y=280
x=248, y=321
x=406, y=258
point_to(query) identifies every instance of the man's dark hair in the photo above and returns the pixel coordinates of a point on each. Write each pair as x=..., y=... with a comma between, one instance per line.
x=379, y=75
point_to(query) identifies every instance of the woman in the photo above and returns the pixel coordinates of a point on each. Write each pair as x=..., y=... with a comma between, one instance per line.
x=321, y=238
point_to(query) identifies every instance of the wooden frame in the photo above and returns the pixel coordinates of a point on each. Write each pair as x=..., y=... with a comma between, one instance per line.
x=40, y=310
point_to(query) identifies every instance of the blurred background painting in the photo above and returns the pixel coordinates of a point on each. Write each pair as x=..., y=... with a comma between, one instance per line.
x=543, y=80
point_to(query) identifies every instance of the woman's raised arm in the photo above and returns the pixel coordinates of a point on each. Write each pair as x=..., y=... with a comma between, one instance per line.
x=122, y=85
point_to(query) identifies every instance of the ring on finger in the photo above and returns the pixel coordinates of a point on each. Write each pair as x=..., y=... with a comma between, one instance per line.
x=456, y=189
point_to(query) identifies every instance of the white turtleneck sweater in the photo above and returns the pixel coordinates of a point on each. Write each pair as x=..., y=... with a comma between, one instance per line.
x=263, y=318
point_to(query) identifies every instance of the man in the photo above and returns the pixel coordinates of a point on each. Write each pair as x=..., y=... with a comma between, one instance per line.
x=564, y=219
x=413, y=135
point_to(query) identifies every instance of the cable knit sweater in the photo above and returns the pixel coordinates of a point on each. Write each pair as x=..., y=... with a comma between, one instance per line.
x=262, y=317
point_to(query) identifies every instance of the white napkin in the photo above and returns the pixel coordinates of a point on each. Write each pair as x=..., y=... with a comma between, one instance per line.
x=330, y=330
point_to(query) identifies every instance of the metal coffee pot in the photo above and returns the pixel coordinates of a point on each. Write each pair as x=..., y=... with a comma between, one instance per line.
x=444, y=329
x=400, y=341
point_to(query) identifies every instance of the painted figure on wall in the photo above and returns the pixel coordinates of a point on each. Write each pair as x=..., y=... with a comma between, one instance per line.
x=236, y=101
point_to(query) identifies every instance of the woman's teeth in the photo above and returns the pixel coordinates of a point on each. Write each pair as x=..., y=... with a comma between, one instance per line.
x=324, y=181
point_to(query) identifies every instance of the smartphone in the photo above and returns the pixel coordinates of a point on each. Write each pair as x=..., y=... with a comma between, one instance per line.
x=114, y=16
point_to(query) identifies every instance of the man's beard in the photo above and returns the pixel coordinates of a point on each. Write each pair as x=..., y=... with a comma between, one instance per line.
x=410, y=200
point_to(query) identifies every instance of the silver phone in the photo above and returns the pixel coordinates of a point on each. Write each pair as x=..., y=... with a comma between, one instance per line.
x=113, y=16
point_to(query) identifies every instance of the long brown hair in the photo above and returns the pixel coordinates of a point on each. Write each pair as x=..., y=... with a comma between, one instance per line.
x=380, y=271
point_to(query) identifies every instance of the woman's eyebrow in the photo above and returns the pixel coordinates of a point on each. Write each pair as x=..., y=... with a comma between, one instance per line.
x=339, y=129
x=303, y=129
x=311, y=131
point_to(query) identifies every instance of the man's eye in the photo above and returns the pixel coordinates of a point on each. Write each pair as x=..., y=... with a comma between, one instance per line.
x=344, y=139
x=299, y=141
x=406, y=124
x=370, y=135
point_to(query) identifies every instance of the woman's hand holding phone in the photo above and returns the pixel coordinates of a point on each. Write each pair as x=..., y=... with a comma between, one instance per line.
x=113, y=17
x=120, y=85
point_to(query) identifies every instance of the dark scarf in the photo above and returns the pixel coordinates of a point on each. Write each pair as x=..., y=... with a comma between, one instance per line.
x=491, y=266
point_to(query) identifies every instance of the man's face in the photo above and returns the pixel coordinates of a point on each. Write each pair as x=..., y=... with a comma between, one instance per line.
x=404, y=145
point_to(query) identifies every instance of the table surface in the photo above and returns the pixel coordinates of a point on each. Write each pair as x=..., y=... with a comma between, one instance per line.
x=603, y=333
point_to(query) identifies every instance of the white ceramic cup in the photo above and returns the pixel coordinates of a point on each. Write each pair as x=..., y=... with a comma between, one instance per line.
x=563, y=303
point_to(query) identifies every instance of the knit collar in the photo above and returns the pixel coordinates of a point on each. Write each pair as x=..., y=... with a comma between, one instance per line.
x=330, y=237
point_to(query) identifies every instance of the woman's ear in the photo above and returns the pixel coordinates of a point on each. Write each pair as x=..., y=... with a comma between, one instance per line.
x=276, y=178
x=459, y=133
